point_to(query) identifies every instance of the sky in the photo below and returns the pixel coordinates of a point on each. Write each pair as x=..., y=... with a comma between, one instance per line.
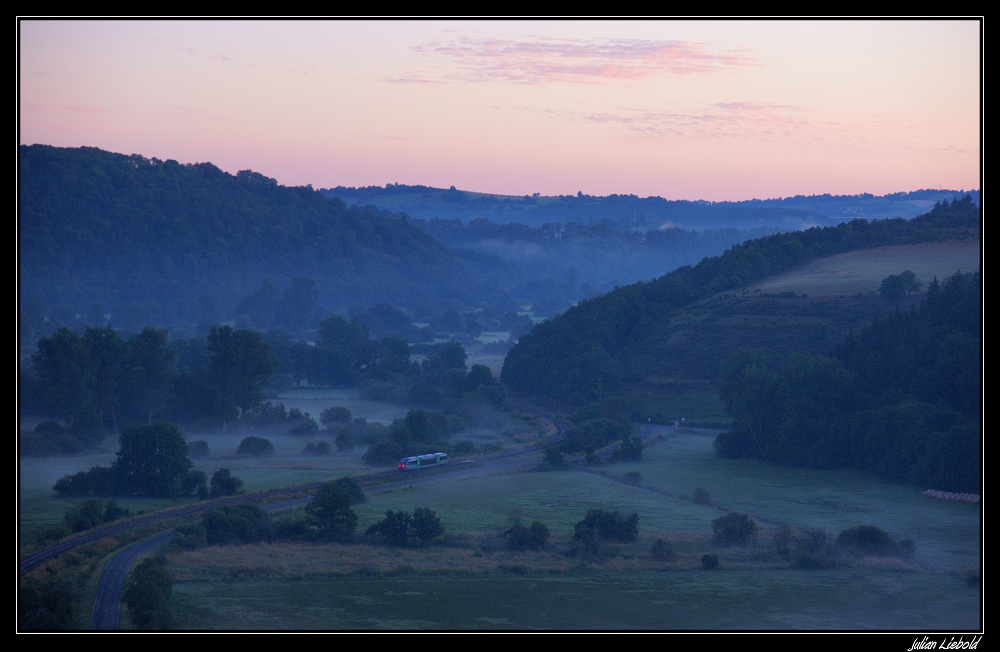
x=717, y=110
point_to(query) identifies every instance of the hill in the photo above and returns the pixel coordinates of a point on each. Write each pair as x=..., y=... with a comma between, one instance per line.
x=629, y=212
x=682, y=325
x=185, y=242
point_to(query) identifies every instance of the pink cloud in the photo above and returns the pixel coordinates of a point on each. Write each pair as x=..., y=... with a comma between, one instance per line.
x=543, y=60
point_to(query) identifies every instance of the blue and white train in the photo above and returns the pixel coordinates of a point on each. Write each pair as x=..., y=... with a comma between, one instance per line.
x=422, y=461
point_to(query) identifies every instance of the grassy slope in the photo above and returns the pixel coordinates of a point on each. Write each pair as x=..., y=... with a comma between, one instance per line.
x=700, y=337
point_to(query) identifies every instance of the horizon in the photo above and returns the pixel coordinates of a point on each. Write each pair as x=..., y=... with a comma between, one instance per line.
x=686, y=110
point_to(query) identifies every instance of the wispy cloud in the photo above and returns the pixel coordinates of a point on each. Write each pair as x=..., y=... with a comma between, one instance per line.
x=544, y=60
x=746, y=121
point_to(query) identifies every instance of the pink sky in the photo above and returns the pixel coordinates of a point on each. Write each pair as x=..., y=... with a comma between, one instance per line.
x=724, y=110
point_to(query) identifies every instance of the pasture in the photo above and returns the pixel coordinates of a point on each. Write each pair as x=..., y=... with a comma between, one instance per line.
x=473, y=583
x=861, y=272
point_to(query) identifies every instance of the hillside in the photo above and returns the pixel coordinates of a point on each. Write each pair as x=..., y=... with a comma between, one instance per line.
x=628, y=212
x=186, y=242
x=676, y=330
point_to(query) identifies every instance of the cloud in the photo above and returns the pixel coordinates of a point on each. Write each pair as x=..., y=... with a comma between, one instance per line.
x=542, y=60
x=205, y=54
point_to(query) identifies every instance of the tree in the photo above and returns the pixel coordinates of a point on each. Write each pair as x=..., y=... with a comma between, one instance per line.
x=107, y=356
x=152, y=460
x=734, y=528
x=425, y=524
x=225, y=484
x=148, y=371
x=330, y=510
x=147, y=595
x=240, y=366
x=63, y=368
x=394, y=528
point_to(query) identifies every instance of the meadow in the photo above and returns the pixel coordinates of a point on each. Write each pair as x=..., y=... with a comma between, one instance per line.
x=471, y=582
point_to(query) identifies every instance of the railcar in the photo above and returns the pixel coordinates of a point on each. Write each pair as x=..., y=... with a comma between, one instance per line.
x=422, y=461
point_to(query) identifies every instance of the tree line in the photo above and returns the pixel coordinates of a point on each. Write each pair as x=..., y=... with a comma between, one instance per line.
x=901, y=399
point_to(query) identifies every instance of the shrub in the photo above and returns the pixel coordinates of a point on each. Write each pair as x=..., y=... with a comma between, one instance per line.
x=734, y=528
x=629, y=451
x=353, y=490
x=255, y=446
x=394, y=529
x=344, y=440
x=304, y=426
x=112, y=512
x=425, y=524
x=235, y=524
x=316, y=448
x=336, y=414
x=870, y=540
x=662, y=551
x=84, y=516
x=384, y=453
x=463, y=447
x=44, y=606
x=147, y=595
x=783, y=540
x=591, y=456
x=224, y=484
x=52, y=533
x=610, y=526
x=701, y=496
x=198, y=448
x=520, y=538
x=710, y=562
x=330, y=510
x=189, y=537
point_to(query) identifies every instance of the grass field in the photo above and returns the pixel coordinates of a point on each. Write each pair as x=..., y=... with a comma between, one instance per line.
x=476, y=585
x=645, y=600
x=862, y=271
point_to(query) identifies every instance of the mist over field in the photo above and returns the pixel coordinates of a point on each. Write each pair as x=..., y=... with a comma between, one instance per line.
x=500, y=326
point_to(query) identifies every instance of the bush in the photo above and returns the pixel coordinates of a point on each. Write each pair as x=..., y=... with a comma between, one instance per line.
x=629, y=451
x=870, y=540
x=394, y=529
x=336, y=414
x=662, y=551
x=52, y=533
x=44, y=606
x=84, y=516
x=198, y=448
x=351, y=487
x=710, y=562
x=386, y=453
x=147, y=595
x=330, y=511
x=734, y=528
x=316, y=448
x=189, y=537
x=235, y=524
x=520, y=538
x=224, y=484
x=304, y=426
x=344, y=440
x=611, y=526
x=783, y=540
x=425, y=524
x=255, y=446
x=49, y=439
x=701, y=496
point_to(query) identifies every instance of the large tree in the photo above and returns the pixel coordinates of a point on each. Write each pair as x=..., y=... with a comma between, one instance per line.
x=239, y=369
x=152, y=461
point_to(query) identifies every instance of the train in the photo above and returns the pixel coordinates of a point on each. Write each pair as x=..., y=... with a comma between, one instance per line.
x=422, y=461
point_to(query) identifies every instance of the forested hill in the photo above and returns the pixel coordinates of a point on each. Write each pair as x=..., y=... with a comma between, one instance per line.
x=629, y=212
x=594, y=349
x=101, y=227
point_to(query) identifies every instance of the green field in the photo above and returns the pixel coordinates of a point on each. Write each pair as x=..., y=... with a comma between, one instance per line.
x=475, y=584
x=862, y=271
x=698, y=600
